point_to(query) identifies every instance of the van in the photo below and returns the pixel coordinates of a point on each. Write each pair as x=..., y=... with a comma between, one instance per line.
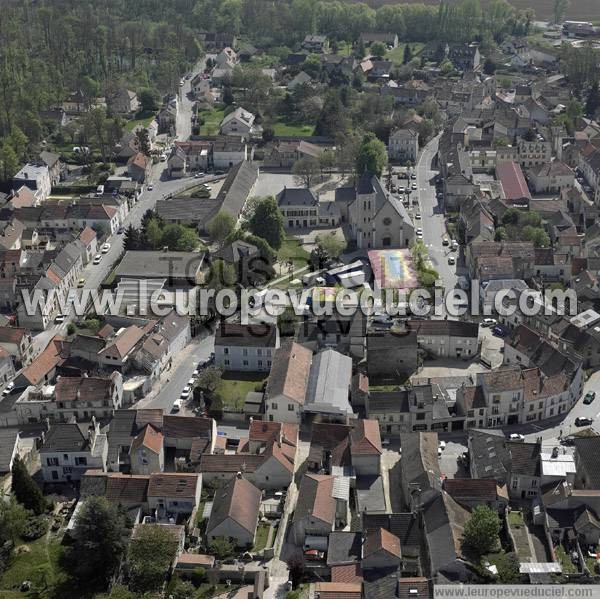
x=100, y=190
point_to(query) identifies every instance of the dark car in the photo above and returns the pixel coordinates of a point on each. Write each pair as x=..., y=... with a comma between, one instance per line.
x=499, y=331
x=583, y=421
x=568, y=441
x=590, y=396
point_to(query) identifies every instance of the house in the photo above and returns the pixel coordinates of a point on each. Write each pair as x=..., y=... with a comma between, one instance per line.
x=301, y=78
x=178, y=269
x=138, y=167
x=381, y=549
x=226, y=58
x=586, y=462
x=448, y=338
x=299, y=207
x=403, y=146
x=378, y=219
x=551, y=177
x=173, y=493
x=16, y=341
x=365, y=447
x=52, y=161
x=389, y=39
x=42, y=368
x=246, y=347
x=237, y=188
x=391, y=355
x=147, y=451
x=167, y=116
x=218, y=41
x=514, y=187
x=420, y=475
x=35, y=176
x=470, y=492
x=7, y=367
x=315, y=43
x=524, y=470
x=287, y=384
x=69, y=449
x=284, y=154
x=240, y=122
x=89, y=240
x=235, y=512
x=317, y=509
x=123, y=101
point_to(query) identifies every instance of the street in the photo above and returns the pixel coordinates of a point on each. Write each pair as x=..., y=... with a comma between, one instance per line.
x=432, y=220
x=183, y=125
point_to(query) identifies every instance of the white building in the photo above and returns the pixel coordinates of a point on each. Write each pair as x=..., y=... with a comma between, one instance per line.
x=403, y=145
x=36, y=176
x=246, y=347
x=238, y=122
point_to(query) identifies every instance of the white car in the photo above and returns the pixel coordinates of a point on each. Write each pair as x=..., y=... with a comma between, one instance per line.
x=177, y=405
x=60, y=319
x=488, y=322
x=191, y=382
x=196, y=373
x=442, y=445
x=97, y=259
x=8, y=388
x=150, y=187
x=419, y=233
x=451, y=260
x=516, y=437
x=105, y=248
x=185, y=393
x=414, y=187
x=418, y=216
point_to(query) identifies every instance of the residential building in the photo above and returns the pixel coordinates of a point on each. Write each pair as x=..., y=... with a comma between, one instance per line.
x=551, y=177
x=16, y=341
x=448, y=338
x=403, y=145
x=515, y=189
x=173, y=494
x=315, y=43
x=35, y=176
x=246, y=347
x=240, y=122
x=147, y=454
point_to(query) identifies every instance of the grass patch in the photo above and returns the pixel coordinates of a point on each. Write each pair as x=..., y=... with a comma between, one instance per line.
x=590, y=562
x=520, y=535
x=133, y=123
x=43, y=557
x=396, y=55
x=262, y=534
x=516, y=519
x=567, y=565
x=293, y=129
x=212, y=120
x=234, y=387
x=291, y=250
x=207, y=590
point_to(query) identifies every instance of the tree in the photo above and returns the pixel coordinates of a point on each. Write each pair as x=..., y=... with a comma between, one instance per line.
x=143, y=140
x=489, y=66
x=560, y=8
x=501, y=234
x=372, y=155
x=222, y=548
x=13, y=519
x=222, y=275
x=220, y=227
x=151, y=235
x=378, y=50
x=540, y=238
x=8, y=162
x=179, y=238
x=509, y=569
x=209, y=380
x=593, y=100
x=482, y=529
x=407, y=57
x=131, y=239
x=150, y=554
x=25, y=488
x=147, y=100
x=99, y=539
x=333, y=119
x=305, y=170
x=332, y=245
x=267, y=222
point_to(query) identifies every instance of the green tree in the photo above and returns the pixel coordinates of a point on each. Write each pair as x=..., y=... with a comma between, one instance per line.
x=220, y=227
x=540, y=238
x=209, y=380
x=131, y=239
x=222, y=275
x=511, y=216
x=501, y=234
x=18, y=140
x=372, y=155
x=378, y=50
x=267, y=222
x=13, y=519
x=147, y=100
x=305, y=170
x=143, y=140
x=592, y=103
x=221, y=548
x=152, y=235
x=332, y=245
x=8, y=161
x=482, y=529
x=25, y=488
x=560, y=8
x=509, y=569
x=333, y=119
x=407, y=56
x=149, y=556
x=179, y=238
x=99, y=539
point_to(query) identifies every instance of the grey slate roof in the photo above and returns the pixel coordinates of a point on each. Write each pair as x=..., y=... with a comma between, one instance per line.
x=370, y=496
x=8, y=440
x=587, y=453
x=237, y=187
x=65, y=437
x=156, y=264
x=329, y=382
x=297, y=196
x=344, y=548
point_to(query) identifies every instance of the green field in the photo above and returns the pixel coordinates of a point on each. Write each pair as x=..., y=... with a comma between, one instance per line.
x=212, y=120
x=397, y=54
x=131, y=125
x=234, y=387
x=293, y=129
x=292, y=250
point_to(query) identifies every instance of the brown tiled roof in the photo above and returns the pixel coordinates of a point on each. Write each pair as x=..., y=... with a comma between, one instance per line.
x=82, y=388
x=153, y=416
x=183, y=427
x=139, y=160
x=127, y=488
x=239, y=500
x=290, y=371
x=347, y=573
x=328, y=435
x=315, y=498
x=503, y=379
x=199, y=446
x=196, y=559
x=123, y=343
x=283, y=453
x=481, y=489
x=408, y=586
x=339, y=590
x=149, y=437
x=230, y=462
x=50, y=358
x=105, y=332
x=365, y=438
x=264, y=431
x=12, y=334
x=381, y=540
x=173, y=484
x=87, y=235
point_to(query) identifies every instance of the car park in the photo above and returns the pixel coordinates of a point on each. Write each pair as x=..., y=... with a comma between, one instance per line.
x=589, y=397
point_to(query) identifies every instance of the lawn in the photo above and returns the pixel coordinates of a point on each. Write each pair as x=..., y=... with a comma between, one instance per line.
x=567, y=565
x=234, y=387
x=42, y=557
x=291, y=250
x=212, y=120
x=293, y=129
x=520, y=535
x=131, y=125
x=262, y=534
x=397, y=54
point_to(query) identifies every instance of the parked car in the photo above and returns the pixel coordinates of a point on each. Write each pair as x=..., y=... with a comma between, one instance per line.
x=516, y=437
x=185, y=393
x=150, y=187
x=81, y=283
x=97, y=259
x=8, y=388
x=445, y=241
x=568, y=441
x=314, y=554
x=499, y=331
x=451, y=260
x=488, y=322
x=589, y=397
x=177, y=405
x=583, y=421
x=418, y=216
x=419, y=233
x=60, y=318
x=105, y=248
x=442, y=445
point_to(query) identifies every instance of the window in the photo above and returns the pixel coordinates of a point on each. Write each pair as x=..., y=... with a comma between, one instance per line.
x=52, y=461
x=54, y=475
x=226, y=362
x=259, y=352
x=259, y=362
x=244, y=352
x=81, y=461
x=273, y=406
x=67, y=469
x=290, y=407
x=226, y=351
x=66, y=457
x=245, y=362
x=387, y=221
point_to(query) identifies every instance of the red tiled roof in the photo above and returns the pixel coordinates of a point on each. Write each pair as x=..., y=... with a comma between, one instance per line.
x=149, y=437
x=382, y=540
x=11, y=334
x=339, y=590
x=365, y=438
x=87, y=235
x=173, y=484
x=45, y=362
x=513, y=182
x=346, y=573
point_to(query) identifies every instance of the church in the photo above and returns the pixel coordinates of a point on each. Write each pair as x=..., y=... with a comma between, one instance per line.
x=377, y=219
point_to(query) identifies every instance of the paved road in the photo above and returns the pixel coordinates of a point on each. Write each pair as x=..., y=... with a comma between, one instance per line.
x=183, y=124
x=172, y=381
x=432, y=220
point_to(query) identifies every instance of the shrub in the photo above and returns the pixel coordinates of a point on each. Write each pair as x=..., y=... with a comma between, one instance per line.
x=35, y=527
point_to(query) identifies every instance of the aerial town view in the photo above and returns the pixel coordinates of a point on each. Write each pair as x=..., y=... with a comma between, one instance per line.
x=299, y=299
